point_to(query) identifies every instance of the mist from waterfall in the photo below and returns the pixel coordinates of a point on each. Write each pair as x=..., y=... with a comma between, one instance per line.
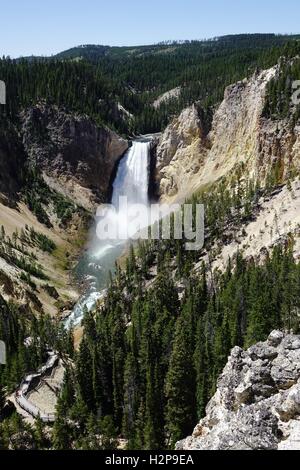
x=132, y=181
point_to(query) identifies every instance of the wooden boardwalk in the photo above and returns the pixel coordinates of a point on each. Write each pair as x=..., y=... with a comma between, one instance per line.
x=29, y=383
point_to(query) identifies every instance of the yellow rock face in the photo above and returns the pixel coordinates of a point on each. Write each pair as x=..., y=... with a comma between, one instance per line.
x=187, y=159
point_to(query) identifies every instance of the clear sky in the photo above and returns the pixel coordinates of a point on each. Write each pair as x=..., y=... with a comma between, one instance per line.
x=44, y=27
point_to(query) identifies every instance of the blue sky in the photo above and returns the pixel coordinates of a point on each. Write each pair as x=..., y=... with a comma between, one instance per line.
x=49, y=26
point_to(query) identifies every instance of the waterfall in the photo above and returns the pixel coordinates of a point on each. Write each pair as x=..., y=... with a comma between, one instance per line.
x=132, y=181
x=133, y=175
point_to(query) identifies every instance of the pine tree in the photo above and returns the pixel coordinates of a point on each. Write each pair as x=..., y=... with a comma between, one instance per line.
x=203, y=362
x=108, y=433
x=180, y=381
x=131, y=397
x=2, y=397
x=84, y=372
x=39, y=433
x=67, y=396
x=62, y=437
x=118, y=359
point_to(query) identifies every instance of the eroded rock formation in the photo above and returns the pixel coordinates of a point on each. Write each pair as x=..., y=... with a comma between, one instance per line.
x=257, y=402
x=76, y=156
x=240, y=134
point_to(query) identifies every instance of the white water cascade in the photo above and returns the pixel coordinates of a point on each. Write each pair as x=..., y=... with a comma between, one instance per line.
x=132, y=181
x=132, y=178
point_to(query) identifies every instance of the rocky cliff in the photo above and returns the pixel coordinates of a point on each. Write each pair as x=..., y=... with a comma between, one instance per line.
x=75, y=160
x=187, y=158
x=181, y=152
x=257, y=402
x=77, y=157
x=12, y=158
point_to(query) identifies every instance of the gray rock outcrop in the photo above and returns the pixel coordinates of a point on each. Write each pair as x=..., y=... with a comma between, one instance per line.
x=257, y=402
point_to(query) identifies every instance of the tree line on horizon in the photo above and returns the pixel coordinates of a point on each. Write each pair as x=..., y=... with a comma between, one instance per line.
x=95, y=87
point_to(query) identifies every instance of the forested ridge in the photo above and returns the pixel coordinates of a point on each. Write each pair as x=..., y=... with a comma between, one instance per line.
x=279, y=103
x=95, y=79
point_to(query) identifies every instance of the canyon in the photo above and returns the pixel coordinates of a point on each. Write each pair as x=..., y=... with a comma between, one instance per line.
x=78, y=160
x=58, y=166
